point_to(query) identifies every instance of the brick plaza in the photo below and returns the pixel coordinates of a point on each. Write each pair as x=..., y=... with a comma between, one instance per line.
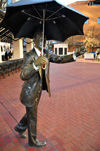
x=68, y=121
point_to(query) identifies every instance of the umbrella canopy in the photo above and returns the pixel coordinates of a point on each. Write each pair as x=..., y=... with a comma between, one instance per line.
x=57, y=22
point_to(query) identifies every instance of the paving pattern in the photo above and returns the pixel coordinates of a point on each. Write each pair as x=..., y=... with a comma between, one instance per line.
x=69, y=120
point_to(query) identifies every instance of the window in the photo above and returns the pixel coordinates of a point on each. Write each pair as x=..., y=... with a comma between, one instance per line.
x=96, y=2
x=86, y=22
x=98, y=20
x=91, y=3
x=65, y=49
x=60, y=51
x=55, y=50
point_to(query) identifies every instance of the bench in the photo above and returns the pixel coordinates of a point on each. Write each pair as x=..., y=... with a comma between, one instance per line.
x=10, y=66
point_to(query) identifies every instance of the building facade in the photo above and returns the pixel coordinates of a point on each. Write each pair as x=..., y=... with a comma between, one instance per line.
x=61, y=49
x=91, y=9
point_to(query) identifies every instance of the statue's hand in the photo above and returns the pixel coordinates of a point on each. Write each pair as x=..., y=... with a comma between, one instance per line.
x=41, y=61
x=44, y=62
x=38, y=61
x=81, y=51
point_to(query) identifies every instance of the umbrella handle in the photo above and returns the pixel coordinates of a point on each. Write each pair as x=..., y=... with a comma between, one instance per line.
x=43, y=30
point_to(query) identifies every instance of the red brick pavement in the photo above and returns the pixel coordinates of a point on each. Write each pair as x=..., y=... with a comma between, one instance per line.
x=68, y=121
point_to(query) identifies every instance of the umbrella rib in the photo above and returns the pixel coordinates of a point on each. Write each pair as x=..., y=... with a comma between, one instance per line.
x=46, y=9
x=54, y=18
x=30, y=15
x=37, y=11
x=55, y=12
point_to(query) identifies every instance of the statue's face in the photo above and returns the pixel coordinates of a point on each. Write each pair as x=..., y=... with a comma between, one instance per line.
x=39, y=43
x=38, y=40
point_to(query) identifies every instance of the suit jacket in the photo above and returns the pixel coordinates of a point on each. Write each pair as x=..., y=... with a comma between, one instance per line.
x=36, y=81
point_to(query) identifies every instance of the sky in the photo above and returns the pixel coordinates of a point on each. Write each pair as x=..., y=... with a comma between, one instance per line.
x=67, y=2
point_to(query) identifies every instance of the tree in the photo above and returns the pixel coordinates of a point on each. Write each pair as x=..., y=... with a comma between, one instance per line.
x=92, y=38
x=70, y=42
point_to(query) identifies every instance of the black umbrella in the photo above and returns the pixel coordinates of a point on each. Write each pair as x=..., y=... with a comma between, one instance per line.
x=57, y=21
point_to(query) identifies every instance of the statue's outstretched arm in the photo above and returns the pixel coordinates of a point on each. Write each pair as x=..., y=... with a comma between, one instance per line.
x=64, y=59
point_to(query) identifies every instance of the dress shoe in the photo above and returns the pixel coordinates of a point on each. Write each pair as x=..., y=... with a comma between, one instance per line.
x=38, y=144
x=22, y=134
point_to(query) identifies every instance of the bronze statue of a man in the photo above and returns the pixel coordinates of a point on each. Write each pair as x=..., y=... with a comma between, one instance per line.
x=35, y=73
